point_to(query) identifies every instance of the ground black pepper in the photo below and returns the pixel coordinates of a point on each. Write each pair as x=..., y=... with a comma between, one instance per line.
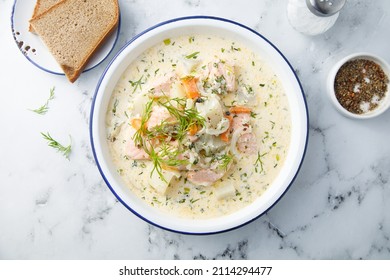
x=360, y=85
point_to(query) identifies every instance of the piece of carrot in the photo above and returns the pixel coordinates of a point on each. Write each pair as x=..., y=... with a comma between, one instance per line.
x=240, y=109
x=193, y=129
x=189, y=83
x=136, y=123
x=169, y=168
x=225, y=135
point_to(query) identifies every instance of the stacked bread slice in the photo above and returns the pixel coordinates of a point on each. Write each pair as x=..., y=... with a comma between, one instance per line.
x=40, y=7
x=73, y=30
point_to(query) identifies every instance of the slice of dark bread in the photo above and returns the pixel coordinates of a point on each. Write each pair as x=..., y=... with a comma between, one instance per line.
x=40, y=7
x=74, y=29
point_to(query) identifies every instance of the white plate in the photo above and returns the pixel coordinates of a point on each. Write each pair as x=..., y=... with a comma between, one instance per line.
x=33, y=48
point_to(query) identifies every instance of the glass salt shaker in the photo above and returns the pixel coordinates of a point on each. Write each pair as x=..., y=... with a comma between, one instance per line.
x=313, y=17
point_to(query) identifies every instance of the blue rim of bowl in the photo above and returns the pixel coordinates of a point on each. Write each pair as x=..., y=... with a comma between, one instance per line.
x=93, y=107
x=61, y=73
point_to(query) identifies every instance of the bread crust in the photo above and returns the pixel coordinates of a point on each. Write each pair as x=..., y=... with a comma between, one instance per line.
x=72, y=72
x=37, y=11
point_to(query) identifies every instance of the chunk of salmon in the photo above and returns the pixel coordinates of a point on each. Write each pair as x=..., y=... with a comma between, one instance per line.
x=247, y=143
x=241, y=120
x=204, y=177
x=162, y=86
x=227, y=72
x=217, y=70
x=193, y=138
x=158, y=115
x=132, y=150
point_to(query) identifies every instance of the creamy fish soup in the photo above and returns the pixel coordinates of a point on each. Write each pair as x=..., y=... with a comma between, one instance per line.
x=198, y=126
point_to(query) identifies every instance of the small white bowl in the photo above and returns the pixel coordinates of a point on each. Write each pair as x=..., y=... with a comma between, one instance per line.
x=188, y=26
x=384, y=104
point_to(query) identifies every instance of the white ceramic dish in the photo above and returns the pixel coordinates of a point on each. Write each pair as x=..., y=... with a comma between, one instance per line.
x=385, y=103
x=190, y=26
x=36, y=52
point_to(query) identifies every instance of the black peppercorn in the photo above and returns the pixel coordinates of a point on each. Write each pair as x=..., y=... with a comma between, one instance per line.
x=360, y=85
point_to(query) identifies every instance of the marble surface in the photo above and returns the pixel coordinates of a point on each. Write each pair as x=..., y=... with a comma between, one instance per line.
x=337, y=208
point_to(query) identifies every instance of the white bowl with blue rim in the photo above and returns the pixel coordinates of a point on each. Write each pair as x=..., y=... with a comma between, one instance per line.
x=190, y=26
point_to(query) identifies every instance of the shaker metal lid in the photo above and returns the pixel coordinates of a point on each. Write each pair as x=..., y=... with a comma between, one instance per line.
x=325, y=8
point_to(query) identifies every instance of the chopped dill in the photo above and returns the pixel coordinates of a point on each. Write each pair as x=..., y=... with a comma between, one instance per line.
x=116, y=102
x=194, y=200
x=272, y=124
x=235, y=49
x=194, y=55
x=249, y=89
x=259, y=162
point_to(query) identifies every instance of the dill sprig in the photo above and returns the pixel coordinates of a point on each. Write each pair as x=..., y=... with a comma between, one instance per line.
x=137, y=84
x=139, y=135
x=184, y=120
x=170, y=154
x=186, y=117
x=157, y=162
x=224, y=161
x=166, y=155
x=45, y=107
x=161, y=131
x=56, y=145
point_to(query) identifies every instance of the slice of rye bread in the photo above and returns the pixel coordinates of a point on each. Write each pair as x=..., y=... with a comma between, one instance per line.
x=40, y=7
x=74, y=29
